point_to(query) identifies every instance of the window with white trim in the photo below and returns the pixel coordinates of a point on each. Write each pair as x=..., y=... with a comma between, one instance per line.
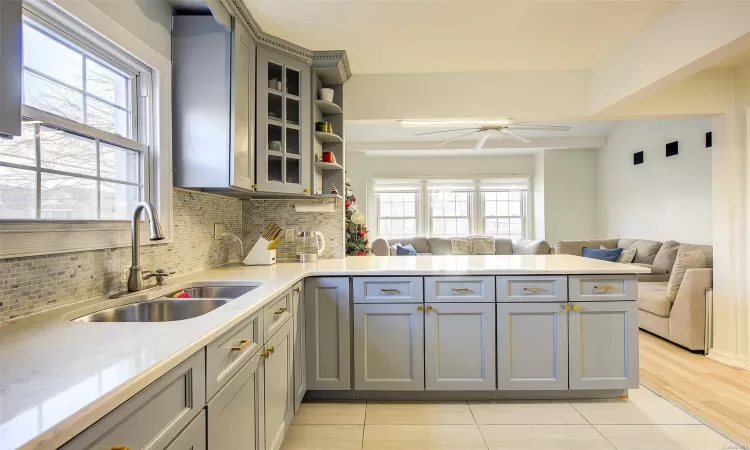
x=83, y=153
x=492, y=207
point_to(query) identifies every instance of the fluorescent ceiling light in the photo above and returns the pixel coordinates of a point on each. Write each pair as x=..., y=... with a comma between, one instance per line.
x=427, y=123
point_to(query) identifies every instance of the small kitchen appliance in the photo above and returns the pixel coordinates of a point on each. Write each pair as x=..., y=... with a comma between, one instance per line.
x=310, y=245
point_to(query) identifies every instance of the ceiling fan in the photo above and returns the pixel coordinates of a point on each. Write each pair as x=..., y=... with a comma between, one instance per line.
x=487, y=130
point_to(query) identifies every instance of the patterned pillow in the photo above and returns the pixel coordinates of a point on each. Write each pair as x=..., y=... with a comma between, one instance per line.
x=626, y=257
x=460, y=246
x=482, y=245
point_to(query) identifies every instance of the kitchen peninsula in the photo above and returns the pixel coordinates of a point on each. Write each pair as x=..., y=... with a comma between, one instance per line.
x=428, y=327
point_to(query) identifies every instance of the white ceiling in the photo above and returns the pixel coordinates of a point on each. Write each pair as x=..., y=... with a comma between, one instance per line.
x=425, y=36
x=395, y=132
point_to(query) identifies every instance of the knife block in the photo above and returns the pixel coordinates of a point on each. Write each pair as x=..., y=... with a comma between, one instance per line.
x=260, y=255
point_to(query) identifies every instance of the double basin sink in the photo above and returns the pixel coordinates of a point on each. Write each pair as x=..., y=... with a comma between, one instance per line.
x=179, y=305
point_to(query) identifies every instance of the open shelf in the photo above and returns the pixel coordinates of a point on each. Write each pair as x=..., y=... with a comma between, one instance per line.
x=328, y=107
x=328, y=166
x=328, y=137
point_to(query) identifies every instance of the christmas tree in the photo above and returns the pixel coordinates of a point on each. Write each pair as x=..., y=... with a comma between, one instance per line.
x=356, y=232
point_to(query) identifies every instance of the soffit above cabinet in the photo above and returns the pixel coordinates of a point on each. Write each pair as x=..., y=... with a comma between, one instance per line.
x=332, y=65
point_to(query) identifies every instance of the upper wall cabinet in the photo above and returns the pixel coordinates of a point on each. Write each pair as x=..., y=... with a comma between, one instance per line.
x=284, y=124
x=214, y=105
x=10, y=69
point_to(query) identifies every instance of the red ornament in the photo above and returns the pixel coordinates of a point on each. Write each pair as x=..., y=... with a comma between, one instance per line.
x=354, y=199
x=361, y=254
x=348, y=203
x=361, y=233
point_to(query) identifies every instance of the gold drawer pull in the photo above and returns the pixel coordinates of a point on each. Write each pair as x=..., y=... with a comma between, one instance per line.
x=566, y=307
x=429, y=308
x=243, y=344
x=604, y=288
x=271, y=349
x=265, y=354
x=280, y=311
x=390, y=291
x=575, y=307
x=532, y=289
x=296, y=290
x=419, y=308
x=461, y=290
x=120, y=447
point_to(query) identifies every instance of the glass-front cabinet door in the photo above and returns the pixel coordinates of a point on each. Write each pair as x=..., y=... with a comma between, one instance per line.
x=283, y=132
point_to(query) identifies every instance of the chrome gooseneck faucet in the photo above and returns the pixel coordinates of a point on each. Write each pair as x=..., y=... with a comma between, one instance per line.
x=135, y=278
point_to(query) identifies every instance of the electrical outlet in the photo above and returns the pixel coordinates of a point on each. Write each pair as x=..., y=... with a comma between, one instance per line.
x=289, y=234
x=219, y=229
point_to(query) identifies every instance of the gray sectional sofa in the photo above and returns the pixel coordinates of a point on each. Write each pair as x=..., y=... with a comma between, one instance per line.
x=442, y=246
x=676, y=313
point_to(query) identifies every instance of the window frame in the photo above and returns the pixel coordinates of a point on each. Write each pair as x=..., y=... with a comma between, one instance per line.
x=482, y=216
x=417, y=210
x=86, y=26
x=470, y=213
x=474, y=188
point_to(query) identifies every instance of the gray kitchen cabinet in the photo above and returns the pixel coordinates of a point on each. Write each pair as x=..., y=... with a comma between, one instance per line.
x=459, y=346
x=278, y=385
x=532, y=346
x=603, y=345
x=11, y=70
x=193, y=437
x=155, y=416
x=601, y=288
x=284, y=133
x=327, y=333
x=214, y=104
x=236, y=414
x=389, y=347
x=300, y=377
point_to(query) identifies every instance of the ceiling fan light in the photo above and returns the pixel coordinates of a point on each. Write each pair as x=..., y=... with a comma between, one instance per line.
x=430, y=123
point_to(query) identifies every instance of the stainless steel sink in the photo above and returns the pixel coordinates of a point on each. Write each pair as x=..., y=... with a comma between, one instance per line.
x=230, y=292
x=159, y=310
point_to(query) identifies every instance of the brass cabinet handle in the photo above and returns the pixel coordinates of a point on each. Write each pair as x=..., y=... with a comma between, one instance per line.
x=575, y=307
x=566, y=307
x=462, y=290
x=243, y=344
x=296, y=290
x=120, y=447
x=532, y=289
x=604, y=288
x=429, y=308
x=271, y=349
x=419, y=308
x=307, y=190
x=280, y=311
x=265, y=354
x=390, y=291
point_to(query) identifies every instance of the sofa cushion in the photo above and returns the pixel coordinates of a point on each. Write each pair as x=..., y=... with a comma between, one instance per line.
x=529, y=247
x=707, y=250
x=576, y=247
x=666, y=255
x=440, y=246
x=405, y=250
x=460, y=246
x=654, y=269
x=645, y=251
x=652, y=297
x=482, y=245
x=604, y=254
x=626, y=257
x=503, y=246
x=684, y=261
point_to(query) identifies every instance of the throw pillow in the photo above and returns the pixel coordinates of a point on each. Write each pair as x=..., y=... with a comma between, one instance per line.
x=460, y=246
x=394, y=247
x=606, y=254
x=684, y=261
x=626, y=257
x=405, y=250
x=482, y=245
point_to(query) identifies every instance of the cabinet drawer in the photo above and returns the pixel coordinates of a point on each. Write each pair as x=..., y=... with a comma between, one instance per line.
x=276, y=313
x=602, y=288
x=230, y=351
x=388, y=290
x=193, y=437
x=459, y=289
x=153, y=417
x=532, y=289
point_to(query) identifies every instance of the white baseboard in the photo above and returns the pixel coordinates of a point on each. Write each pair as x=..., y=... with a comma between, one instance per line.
x=729, y=359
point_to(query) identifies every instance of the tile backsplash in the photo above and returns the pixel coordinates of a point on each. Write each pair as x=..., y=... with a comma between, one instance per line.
x=257, y=214
x=38, y=283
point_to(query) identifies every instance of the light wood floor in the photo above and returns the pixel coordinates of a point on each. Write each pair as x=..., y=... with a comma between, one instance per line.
x=717, y=394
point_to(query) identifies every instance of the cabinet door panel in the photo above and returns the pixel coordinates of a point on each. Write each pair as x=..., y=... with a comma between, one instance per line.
x=235, y=415
x=460, y=346
x=193, y=437
x=300, y=383
x=243, y=106
x=532, y=346
x=278, y=383
x=388, y=347
x=604, y=345
x=328, y=334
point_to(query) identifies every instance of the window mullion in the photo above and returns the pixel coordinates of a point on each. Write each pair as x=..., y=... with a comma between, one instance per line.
x=38, y=150
x=98, y=179
x=85, y=99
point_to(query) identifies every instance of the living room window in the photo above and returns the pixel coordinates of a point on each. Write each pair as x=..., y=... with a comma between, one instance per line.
x=494, y=207
x=83, y=153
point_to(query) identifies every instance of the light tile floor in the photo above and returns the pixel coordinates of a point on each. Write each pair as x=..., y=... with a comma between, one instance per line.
x=644, y=421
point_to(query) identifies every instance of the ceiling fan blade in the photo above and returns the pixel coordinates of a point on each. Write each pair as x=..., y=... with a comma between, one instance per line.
x=539, y=127
x=482, y=141
x=515, y=135
x=457, y=137
x=446, y=131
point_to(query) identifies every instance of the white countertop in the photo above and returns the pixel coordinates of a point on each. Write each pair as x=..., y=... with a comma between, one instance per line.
x=58, y=377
